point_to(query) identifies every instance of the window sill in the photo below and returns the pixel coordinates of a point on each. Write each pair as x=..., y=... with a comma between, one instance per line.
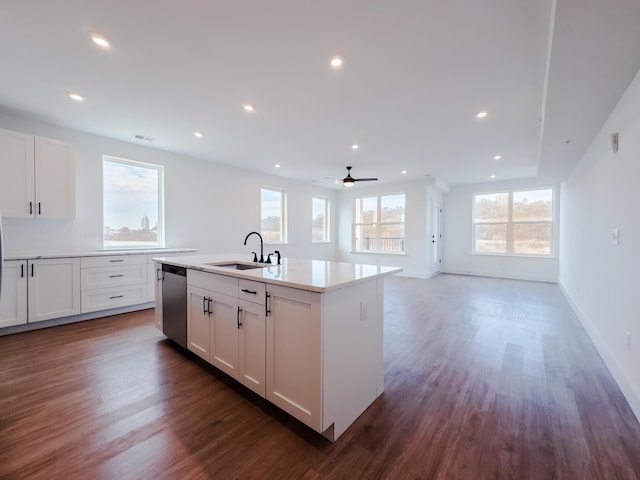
x=320, y=243
x=399, y=254
x=513, y=255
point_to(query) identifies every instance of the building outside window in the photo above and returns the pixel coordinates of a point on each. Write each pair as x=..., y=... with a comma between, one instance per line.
x=320, y=220
x=273, y=215
x=379, y=223
x=132, y=203
x=514, y=223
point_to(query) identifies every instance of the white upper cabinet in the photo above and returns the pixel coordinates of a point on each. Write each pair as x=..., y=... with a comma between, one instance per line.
x=17, y=186
x=37, y=177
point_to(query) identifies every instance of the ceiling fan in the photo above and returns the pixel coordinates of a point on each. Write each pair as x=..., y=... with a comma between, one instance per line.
x=348, y=181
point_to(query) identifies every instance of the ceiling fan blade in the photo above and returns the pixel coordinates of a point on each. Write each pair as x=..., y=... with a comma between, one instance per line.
x=364, y=179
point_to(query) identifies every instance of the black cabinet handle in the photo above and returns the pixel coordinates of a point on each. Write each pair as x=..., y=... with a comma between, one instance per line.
x=114, y=261
x=204, y=305
x=266, y=305
x=116, y=276
x=249, y=291
x=39, y=209
x=30, y=208
x=209, y=306
x=116, y=296
x=22, y=270
x=32, y=269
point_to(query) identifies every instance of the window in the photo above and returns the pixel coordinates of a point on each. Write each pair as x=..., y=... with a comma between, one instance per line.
x=515, y=223
x=379, y=224
x=320, y=220
x=273, y=215
x=133, y=204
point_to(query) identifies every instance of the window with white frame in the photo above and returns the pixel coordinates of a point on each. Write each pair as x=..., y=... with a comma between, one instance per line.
x=320, y=220
x=132, y=203
x=514, y=223
x=378, y=225
x=273, y=215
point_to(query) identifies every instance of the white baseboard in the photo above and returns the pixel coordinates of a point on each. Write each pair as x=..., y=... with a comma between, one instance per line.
x=510, y=276
x=629, y=390
x=404, y=273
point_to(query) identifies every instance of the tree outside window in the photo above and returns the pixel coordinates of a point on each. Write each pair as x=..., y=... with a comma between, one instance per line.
x=320, y=220
x=273, y=215
x=379, y=224
x=515, y=223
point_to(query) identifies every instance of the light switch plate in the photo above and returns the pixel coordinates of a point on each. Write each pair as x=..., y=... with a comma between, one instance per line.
x=615, y=236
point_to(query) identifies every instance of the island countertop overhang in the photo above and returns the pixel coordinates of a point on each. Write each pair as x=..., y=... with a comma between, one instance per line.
x=313, y=275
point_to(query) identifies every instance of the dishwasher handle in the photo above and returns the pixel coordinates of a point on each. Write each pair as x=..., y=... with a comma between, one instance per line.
x=182, y=271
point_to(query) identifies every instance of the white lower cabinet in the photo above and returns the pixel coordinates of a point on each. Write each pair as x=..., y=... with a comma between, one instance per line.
x=156, y=285
x=251, y=347
x=225, y=329
x=198, y=320
x=113, y=281
x=293, y=353
x=13, y=299
x=223, y=333
x=53, y=288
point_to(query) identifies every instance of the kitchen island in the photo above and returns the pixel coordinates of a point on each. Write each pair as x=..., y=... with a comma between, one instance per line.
x=306, y=334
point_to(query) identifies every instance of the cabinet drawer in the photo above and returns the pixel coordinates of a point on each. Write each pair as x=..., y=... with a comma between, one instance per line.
x=105, y=298
x=213, y=282
x=251, y=291
x=101, y=277
x=113, y=260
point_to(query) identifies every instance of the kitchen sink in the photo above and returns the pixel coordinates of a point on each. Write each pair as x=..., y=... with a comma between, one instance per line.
x=237, y=266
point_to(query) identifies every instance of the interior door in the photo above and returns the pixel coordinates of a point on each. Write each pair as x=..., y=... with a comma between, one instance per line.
x=436, y=238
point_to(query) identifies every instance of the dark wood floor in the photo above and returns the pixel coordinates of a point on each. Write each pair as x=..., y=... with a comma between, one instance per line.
x=485, y=379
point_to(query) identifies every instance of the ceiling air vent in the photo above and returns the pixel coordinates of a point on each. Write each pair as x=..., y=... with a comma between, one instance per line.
x=142, y=137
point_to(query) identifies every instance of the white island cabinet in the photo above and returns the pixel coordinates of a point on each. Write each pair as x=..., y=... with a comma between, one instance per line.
x=306, y=335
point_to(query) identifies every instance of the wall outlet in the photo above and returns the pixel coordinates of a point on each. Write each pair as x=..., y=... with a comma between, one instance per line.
x=615, y=236
x=628, y=341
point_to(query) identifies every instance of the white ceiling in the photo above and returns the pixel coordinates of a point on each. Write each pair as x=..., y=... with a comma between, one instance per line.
x=416, y=72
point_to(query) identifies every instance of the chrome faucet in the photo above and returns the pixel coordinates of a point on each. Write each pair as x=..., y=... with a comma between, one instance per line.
x=261, y=246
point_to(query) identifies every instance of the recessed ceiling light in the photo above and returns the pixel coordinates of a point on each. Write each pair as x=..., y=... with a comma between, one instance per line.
x=492, y=176
x=497, y=157
x=100, y=40
x=198, y=134
x=355, y=146
x=249, y=107
x=403, y=172
x=336, y=62
x=277, y=165
x=482, y=114
x=75, y=96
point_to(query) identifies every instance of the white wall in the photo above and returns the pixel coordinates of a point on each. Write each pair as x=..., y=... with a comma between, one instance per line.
x=415, y=261
x=458, y=237
x=209, y=207
x=600, y=279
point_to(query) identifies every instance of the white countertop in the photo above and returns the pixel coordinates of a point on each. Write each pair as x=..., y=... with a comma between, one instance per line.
x=95, y=253
x=314, y=275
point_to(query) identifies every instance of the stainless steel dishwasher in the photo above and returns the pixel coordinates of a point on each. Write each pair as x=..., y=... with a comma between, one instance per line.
x=174, y=303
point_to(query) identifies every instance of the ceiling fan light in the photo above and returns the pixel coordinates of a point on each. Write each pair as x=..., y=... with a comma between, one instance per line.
x=348, y=183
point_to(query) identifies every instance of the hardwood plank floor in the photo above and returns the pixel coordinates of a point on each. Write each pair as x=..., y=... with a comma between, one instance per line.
x=484, y=379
